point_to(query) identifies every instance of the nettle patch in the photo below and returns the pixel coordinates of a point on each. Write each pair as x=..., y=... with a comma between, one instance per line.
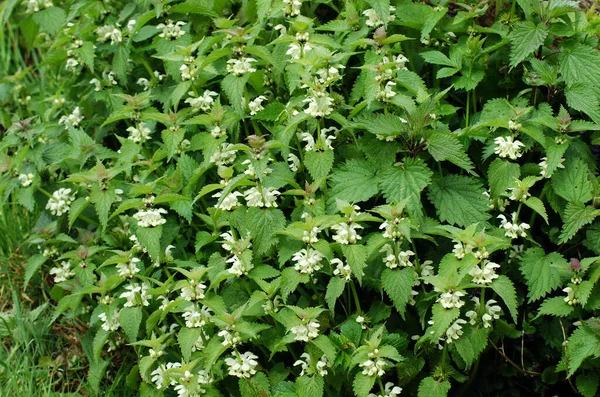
x=297, y=198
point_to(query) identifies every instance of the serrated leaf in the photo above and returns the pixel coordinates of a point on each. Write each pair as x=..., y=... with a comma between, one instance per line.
x=471, y=344
x=77, y=207
x=542, y=272
x=187, y=338
x=429, y=387
x=405, y=182
x=263, y=224
x=130, y=319
x=50, y=19
x=571, y=183
x=525, y=38
x=555, y=307
x=438, y=58
x=149, y=237
x=445, y=146
x=398, y=286
x=587, y=384
x=584, y=98
x=382, y=124
x=505, y=289
x=580, y=64
x=459, y=200
x=234, y=86
x=256, y=386
x=583, y=343
x=32, y=266
x=576, y=216
x=362, y=384
x=501, y=176
x=310, y=386
x=356, y=257
x=319, y=163
x=538, y=206
x=335, y=288
x=353, y=182
x=102, y=200
x=382, y=8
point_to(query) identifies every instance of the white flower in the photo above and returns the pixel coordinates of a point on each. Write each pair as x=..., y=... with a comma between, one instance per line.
x=304, y=364
x=62, y=273
x=307, y=260
x=136, y=294
x=387, y=92
x=144, y=83
x=389, y=391
x=188, y=72
x=204, y=102
x=375, y=20
x=292, y=7
x=544, y=166
x=293, y=162
x=60, y=201
x=131, y=25
x=404, y=258
x=472, y=316
x=298, y=49
x=97, y=84
x=321, y=365
x=374, y=366
x=451, y=299
x=230, y=339
x=310, y=237
x=237, y=266
x=71, y=120
x=492, y=311
x=508, y=147
x=109, y=32
x=308, y=138
x=309, y=329
x=455, y=330
x=263, y=197
x=26, y=179
x=128, y=269
x=158, y=375
x=361, y=321
x=513, y=229
x=330, y=74
x=570, y=298
x=195, y=318
x=229, y=202
x=109, y=323
x=218, y=132
x=485, y=275
x=515, y=252
x=151, y=217
x=193, y=291
x=242, y=366
x=71, y=64
x=111, y=78
x=224, y=155
x=346, y=233
x=319, y=104
x=255, y=105
x=342, y=270
x=240, y=66
x=171, y=31
x=36, y=5
x=327, y=138
x=514, y=126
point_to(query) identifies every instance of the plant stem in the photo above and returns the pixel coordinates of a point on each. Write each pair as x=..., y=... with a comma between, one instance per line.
x=39, y=189
x=355, y=295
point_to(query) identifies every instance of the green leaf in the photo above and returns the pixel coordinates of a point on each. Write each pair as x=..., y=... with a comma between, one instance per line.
x=459, y=200
x=576, y=216
x=525, y=38
x=187, y=338
x=51, y=19
x=77, y=207
x=149, y=237
x=119, y=64
x=438, y=58
x=505, y=289
x=356, y=257
x=382, y=8
x=130, y=319
x=353, y=181
x=471, y=344
x=429, y=387
x=571, y=183
x=583, y=343
x=405, y=182
x=310, y=386
x=263, y=224
x=318, y=163
x=445, y=146
x=200, y=7
x=584, y=98
x=172, y=139
x=587, y=384
x=555, y=307
x=256, y=386
x=398, y=285
x=542, y=272
x=335, y=289
x=32, y=266
x=102, y=200
x=501, y=176
x=363, y=384
x=382, y=124
x=326, y=346
x=538, y=206
x=234, y=86
x=580, y=64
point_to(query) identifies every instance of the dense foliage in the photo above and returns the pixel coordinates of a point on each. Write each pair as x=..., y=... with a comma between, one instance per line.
x=306, y=198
